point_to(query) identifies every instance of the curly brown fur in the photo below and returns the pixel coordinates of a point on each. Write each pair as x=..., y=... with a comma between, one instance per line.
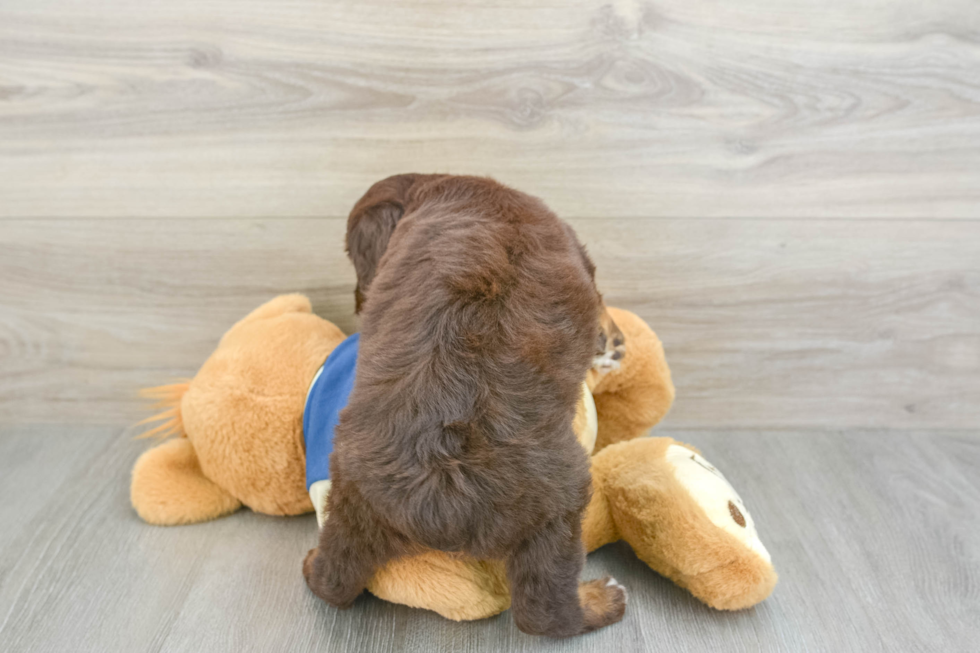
x=481, y=322
x=372, y=221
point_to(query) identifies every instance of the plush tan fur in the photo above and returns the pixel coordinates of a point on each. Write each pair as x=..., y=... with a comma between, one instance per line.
x=243, y=413
x=242, y=418
x=669, y=531
x=170, y=488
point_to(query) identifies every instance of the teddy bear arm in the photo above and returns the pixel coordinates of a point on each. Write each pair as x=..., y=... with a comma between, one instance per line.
x=169, y=488
x=630, y=412
x=632, y=399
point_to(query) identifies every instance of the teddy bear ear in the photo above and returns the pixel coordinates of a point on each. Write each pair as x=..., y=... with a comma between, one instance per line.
x=586, y=423
x=709, y=488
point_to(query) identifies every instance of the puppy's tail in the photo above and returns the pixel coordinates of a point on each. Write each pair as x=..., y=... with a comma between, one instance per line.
x=168, y=398
x=370, y=225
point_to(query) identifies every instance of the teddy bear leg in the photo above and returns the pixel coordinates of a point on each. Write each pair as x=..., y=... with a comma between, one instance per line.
x=456, y=587
x=169, y=488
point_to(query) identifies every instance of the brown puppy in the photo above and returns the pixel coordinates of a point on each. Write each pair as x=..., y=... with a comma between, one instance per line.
x=374, y=218
x=480, y=321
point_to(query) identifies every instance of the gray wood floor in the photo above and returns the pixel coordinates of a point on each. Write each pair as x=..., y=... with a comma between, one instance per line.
x=874, y=534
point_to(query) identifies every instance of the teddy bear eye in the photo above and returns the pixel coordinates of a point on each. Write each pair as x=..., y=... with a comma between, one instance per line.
x=736, y=514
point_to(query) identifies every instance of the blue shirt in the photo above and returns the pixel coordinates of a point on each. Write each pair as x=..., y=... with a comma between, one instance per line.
x=328, y=394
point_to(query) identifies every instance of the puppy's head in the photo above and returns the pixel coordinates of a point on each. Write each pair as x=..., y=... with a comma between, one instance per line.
x=611, y=347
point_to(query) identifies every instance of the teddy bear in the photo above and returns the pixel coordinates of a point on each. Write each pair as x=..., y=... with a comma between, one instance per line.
x=238, y=440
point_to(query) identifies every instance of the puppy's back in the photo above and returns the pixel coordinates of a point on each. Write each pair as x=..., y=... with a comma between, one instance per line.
x=478, y=328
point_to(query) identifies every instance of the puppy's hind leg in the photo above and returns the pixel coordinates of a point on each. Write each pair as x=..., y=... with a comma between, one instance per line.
x=546, y=596
x=352, y=546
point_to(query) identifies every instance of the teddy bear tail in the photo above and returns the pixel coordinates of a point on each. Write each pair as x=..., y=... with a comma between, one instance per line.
x=168, y=398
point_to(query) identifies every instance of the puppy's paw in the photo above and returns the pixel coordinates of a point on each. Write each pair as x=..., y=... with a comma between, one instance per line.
x=603, y=602
x=318, y=582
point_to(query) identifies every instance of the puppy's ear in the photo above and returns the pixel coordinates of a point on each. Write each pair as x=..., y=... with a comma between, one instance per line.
x=370, y=225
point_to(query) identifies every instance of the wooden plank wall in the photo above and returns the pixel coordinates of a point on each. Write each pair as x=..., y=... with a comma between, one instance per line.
x=787, y=190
